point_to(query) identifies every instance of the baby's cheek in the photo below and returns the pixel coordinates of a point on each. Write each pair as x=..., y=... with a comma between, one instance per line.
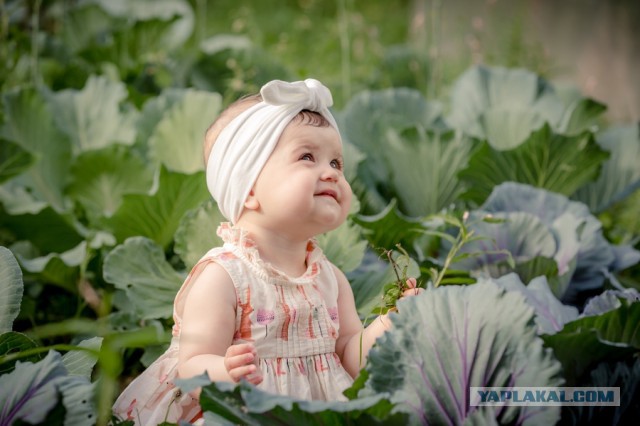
x=348, y=196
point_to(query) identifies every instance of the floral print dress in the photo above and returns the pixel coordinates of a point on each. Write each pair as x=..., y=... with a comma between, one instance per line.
x=293, y=322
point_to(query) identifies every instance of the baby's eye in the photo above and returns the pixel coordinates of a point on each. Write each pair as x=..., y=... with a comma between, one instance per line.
x=306, y=157
x=336, y=164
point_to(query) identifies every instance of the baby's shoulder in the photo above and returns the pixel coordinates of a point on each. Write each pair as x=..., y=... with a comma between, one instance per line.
x=212, y=275
x=239, y=272
x=223, y=256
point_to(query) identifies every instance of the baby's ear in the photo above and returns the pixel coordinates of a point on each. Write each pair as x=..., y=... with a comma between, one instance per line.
x=251, y=203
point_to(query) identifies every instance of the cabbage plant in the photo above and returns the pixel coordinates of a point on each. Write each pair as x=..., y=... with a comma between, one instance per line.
x=103, y=210
x=53, y=389
x=546, y=234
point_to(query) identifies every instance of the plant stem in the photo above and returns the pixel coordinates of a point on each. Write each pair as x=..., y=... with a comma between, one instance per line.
x=447, y=262
x=40, y=349
x=461, y=240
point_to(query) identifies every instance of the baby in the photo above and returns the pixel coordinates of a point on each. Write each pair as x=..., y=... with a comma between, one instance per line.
x=267, y=306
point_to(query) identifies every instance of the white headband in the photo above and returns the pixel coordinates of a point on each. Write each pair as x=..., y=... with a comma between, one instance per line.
x=246, y=143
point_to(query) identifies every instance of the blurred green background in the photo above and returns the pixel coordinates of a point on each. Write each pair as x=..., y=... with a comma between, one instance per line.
x=103, y=206
x=591, y=44
x=353, y=44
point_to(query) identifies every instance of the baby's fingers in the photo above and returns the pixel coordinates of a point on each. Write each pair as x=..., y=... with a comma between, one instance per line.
x=412, y=292
x=249, y=372
x=241, y=362
x=239, y=355
x=412, y=287
x=236, y=361
x=239, y=366
x=411, y=282
x=240, y=348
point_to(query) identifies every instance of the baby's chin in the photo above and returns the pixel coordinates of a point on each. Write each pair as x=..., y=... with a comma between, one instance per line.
x=332, y=221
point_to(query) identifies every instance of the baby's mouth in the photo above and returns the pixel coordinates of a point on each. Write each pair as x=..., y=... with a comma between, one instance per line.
x=328, y=193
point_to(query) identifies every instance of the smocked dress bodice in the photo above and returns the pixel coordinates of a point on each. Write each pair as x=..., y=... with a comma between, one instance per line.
x=292, y=321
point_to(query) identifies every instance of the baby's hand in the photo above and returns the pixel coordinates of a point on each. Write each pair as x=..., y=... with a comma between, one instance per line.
x=241, y=362
x=412, y=290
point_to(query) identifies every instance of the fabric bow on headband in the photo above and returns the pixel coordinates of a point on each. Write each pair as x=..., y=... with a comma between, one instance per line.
x=246, y=143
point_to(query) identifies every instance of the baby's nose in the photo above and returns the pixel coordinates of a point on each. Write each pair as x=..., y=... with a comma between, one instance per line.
x=330, y=174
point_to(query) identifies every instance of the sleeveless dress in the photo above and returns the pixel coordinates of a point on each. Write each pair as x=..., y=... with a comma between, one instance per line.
x=293, y=322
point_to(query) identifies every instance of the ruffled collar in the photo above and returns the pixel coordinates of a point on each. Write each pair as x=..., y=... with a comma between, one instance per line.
x=238, y=240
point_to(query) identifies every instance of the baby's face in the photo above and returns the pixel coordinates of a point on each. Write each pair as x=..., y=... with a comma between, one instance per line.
x=302, y=185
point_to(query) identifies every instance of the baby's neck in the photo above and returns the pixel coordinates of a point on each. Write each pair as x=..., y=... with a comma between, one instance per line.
x=282, y=252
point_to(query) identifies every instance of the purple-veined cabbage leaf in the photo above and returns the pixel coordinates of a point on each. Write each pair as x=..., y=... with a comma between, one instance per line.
x=32, y=390
x=451, y=338
x=609, y=300
x=539, y=223
x=29, y=391
x=551, y=314
x=582, y=344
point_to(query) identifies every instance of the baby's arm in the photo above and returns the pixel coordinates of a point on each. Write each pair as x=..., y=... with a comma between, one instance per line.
x=207, y=329
x=352, y=353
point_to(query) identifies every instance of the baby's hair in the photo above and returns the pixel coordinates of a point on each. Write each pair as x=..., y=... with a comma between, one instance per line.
x=311, y=118
x=225, y=117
